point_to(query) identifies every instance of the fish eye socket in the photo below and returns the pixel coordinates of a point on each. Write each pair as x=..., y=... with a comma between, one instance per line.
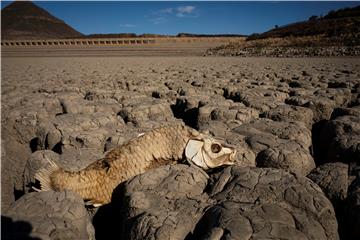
x=215, y=148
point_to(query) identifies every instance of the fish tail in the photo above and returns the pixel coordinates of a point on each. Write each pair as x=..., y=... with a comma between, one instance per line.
x=44, y=176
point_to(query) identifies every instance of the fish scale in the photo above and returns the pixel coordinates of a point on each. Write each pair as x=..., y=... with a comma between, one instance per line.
x=161, y=146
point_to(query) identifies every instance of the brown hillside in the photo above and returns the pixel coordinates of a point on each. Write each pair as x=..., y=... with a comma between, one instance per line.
x=341, y=25
x=25, y=20
x=336, y=34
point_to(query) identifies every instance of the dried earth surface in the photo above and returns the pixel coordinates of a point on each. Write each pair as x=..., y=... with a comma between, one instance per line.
x=295, y=124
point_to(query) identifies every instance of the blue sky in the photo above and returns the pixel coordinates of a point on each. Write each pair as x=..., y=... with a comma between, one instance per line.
x=172, y=17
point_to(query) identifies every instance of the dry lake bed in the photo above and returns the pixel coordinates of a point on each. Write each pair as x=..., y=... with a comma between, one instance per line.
x=295, y=123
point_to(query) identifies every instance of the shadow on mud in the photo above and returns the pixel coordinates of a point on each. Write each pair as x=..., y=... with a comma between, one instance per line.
x=11, y=230
x=108, y=219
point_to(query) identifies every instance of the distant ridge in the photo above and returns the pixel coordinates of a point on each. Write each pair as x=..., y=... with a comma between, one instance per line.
x=124, y=35
x=24, y=20
x=342, y=25
x=335, y=34
x=209, y=35
x=150, y=35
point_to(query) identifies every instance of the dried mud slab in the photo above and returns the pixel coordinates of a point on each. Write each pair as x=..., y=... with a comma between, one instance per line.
x=262, y=99
x=352, y=211
x=340, y=138
x=48, y=215
x=301, y=115
x=266, y=203
x=176, y=202
x=322, y=102
x=333, y=179
x=280, y=113
x=164, y=203
x=278, y=144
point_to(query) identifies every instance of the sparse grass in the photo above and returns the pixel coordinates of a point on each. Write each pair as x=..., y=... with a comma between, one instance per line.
x=290, y=46
x=337, y=23
x=292, y=41
x=335, y=30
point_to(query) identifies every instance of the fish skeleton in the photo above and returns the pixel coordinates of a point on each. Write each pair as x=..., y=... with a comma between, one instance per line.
x=161, y=146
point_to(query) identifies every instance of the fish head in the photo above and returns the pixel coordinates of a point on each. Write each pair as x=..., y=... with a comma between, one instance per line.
x=207, y=152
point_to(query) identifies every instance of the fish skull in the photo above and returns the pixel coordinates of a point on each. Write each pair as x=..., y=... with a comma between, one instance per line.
x=208, y=153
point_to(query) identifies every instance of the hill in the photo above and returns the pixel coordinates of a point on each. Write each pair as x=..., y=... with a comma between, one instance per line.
x=24, y=20
x=343, y=23
x=335, y=34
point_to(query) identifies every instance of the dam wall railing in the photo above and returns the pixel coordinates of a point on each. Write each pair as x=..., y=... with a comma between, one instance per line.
x=77, y=42
x=113, y=41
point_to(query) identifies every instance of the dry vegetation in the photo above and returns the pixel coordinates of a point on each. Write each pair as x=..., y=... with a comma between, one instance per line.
x=337, y=33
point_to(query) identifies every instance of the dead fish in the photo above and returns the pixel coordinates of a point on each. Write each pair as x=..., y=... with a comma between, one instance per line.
x=161, y=146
